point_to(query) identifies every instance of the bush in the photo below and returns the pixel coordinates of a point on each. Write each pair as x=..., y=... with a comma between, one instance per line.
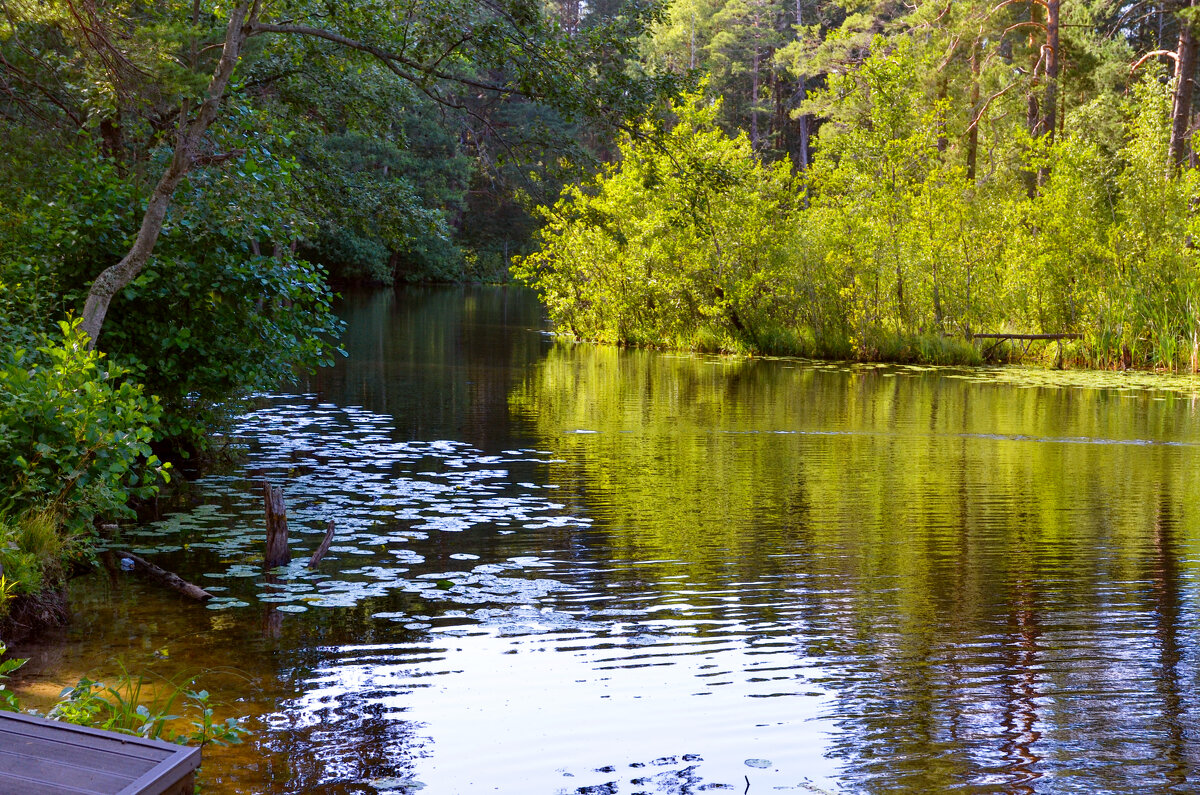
x=74, y=433
x=689, y=237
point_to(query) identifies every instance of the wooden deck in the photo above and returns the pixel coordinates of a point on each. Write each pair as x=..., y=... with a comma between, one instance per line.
x=41, y=757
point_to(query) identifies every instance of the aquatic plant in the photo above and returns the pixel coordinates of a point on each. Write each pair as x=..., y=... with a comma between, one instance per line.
x=130, y=707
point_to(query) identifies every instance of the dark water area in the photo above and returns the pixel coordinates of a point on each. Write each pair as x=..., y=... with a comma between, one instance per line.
x=575, y=569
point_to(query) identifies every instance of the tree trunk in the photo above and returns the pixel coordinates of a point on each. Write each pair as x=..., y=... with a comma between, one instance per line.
x=801, y=95
x=973, y=132
x=755, y=63
x=943, y=91
x=1033, y=111
x=324, y=547
x=568, y=15
x=1050, y=100
x=110, y=137
x=165, y=578
x=1048, y=122
x=277, y=551
x=116, y=277
x=1181, y=106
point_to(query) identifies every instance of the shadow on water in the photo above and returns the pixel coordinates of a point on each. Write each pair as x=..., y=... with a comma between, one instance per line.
x=438, y=361
x=567, y=568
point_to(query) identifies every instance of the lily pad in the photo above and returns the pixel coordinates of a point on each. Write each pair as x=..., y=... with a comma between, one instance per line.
x=215, y=605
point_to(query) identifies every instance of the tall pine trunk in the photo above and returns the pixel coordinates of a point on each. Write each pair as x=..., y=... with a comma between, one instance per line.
x=1050, y=99
x=973, y=132
x=1049, y=121
x=1181, y=105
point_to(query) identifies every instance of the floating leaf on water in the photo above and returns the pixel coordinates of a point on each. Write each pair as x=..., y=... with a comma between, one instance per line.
x=760, y=763
x=215, y=605
x=291, y=608
x=345, y=602
x=396, y=783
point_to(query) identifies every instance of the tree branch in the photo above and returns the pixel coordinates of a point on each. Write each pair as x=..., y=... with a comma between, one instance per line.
x=405, y=68
x=1174, y=56
x=983, y=109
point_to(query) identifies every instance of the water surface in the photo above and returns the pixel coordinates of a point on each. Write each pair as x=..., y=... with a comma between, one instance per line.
x=576, y=569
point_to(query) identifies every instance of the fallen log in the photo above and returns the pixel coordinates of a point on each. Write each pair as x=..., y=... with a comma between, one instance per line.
x=1028, y=339
x=321, y=550
x=163, y=577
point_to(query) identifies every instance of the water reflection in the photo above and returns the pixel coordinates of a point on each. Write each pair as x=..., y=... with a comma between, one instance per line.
x=972, y=557
x=563, y=568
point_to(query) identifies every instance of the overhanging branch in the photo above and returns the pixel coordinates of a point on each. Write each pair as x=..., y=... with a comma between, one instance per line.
x=399, y=65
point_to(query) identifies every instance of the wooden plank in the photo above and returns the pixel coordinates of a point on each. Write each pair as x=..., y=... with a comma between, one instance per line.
x=58, y=736
x=48, y=758
x=17, y=786
x=84, y=735
x=37, y=748
x=165, y=777
x=61, y=773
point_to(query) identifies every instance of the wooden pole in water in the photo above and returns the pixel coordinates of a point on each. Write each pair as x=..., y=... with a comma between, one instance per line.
x=277, y=553
x=321, y=550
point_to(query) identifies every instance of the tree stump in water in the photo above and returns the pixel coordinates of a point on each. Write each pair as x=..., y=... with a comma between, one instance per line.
x=277, y=553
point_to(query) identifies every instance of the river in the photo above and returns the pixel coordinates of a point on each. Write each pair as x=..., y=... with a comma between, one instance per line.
x=577, y=569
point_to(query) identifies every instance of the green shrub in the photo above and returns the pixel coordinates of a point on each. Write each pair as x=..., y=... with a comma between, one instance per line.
x=224, y=307
x=349, y=256
x=688, y=238
x=74, y=433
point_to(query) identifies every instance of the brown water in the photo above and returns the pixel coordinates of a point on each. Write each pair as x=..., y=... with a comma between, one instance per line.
x=582, y=570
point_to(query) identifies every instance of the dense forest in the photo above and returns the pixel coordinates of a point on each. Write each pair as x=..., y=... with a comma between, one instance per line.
x=187, y=183
x=888, y=180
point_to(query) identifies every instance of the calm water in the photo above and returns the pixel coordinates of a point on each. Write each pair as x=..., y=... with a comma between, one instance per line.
x=573, y=569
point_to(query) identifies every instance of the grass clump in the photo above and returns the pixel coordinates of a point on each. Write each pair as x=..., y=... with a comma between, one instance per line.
x=32, y=552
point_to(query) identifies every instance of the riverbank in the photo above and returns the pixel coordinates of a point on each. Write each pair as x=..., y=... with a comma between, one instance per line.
x=1043, y=351
x=28, y=616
